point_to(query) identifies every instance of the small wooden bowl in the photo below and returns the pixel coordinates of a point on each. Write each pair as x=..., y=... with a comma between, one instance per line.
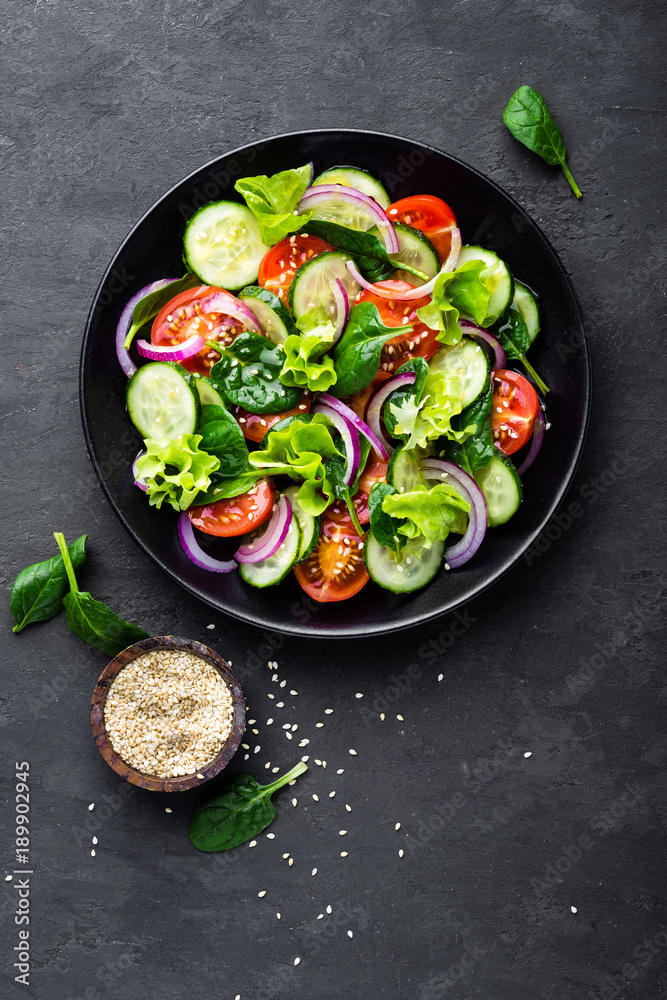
x=153, y=784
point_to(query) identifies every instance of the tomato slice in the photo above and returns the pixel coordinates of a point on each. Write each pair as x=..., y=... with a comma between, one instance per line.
x=375, y=471
x=281, y=263
x=256, y=427
x=335, y=568
x=420, y=343
x=238, y=515
x=431, y=215
x=213, y=326
x=515, y=408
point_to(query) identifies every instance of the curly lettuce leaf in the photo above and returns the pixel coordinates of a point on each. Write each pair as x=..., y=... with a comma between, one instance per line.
x=429, y=514
x=273, y=201
x=462, y=291
x=424, y=418
x=175, y=470
x=301, y=366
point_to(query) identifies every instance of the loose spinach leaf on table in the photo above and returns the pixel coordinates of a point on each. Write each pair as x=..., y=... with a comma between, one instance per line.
x=529, y=120
x=477, y=450
x=248, y=375
x=366, y=249
x=221, y=436
x=236, y=812
x=147, y=308
x=90, y=619
x=357, y=353
x=38, y=592
x=513, y=335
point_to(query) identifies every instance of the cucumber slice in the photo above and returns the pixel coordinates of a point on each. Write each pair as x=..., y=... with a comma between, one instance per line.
x=311, y=284
x=499, y=282
x=223, y=246
x=270, y=571
x=416, y=250
x=310, y=526
x=207, y=394
x=526, y=303
x=355, y=178
x=469, y=363
x=273, y=315
x=161, y=401
x=501, y=487
x=407, y=573
x=403, y=471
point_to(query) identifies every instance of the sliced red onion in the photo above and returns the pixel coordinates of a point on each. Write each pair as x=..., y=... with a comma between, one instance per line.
x=463, y=550
x=322, y=193
x=535, y=445
x=268, y=543
x=472, y=330
x=349, y=436
x=137, y=481
x=377, y=442
x=377, y=401
x=125, y=322
x=342, y=306
x=216, y=302
x=177, y=352
x=409, y=293
x=194, y=551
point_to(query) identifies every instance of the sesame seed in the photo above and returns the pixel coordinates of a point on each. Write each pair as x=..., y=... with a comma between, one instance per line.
x=269, y=722
x=262, y=893
x=95, y=838
x=278, y=915
x=290, y=862
x=349, y=808
x=257, y=749
x=91, y=806
x=328, y=711
x=210, y=626
x=343, y=854
x=329, y=910
x=341, y=833
x=358, y=695
x=306, y=758
x=294, y=692
x=400, y=718
x=441, y=677
x=331, y=794
x=294, y=801
x=400, y=853
x=316, y=798
x=353, y=752
x=319, y=725
x=297, y=960
x=314, y=872
x=573, y=909
x=253, y=843
x=397, y=827
x=92, y=853
x=382, y=716
x=350, y=934
x=528, y=753
x=320, y=916
x=340, y=770
x=8, y=878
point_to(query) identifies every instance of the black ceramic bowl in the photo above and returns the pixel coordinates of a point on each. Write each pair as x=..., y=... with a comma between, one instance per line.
x=486, y=215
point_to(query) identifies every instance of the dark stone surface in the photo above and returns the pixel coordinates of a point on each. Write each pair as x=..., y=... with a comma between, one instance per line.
x=106, y=108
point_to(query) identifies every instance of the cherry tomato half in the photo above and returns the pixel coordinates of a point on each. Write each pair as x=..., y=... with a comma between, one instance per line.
x=281, y=263
x=515, y=408
x=431, y=215
x=171, y=326
x=420, y=343
x=335, y=568
x=256, y=427
x=238, y=515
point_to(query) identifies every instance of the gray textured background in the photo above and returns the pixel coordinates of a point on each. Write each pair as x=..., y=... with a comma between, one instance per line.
x=104, y=109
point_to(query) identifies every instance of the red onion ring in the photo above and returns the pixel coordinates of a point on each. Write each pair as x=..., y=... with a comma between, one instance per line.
x=377, y=442
x=349, y=436
x=195, y=553
x=321, y=193
x=538, y=439
x=177, y=352
x=472, y=330
x=125, y=322
x=463, y=550
x=268, y=543
x=377, y=401
x=410, y=293
x=217, y=302
x=342, y=306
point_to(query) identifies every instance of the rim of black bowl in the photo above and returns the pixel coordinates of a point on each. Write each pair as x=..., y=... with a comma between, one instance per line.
x=327, y=629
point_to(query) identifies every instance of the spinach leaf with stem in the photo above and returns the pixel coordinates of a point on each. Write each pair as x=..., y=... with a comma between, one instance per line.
x=529, y=120
x=222, y=437
x=367, y=250
x=90, y=619
x=38, y=592
x=147, y=308
x=357, y=353
x=384, y=527
x=335, y=470
x=513, y=335
x=237, y=812
x=248, y=375
x=477, y=450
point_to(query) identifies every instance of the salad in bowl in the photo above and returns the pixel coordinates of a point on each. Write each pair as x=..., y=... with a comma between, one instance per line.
x=338, y=386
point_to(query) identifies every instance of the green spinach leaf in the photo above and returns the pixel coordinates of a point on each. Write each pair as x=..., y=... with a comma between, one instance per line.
x=236, y=812
x=248, y=375
x=147, y=308
x=38, y=591
x=477, y=450
x=90, y=619
x=222, y=437
x=357, y=354
x=273, y=200
x=384, y=527
x=513, y=335
x=529, y=120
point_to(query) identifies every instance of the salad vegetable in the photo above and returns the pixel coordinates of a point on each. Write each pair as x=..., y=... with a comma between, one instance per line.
x=329, y=386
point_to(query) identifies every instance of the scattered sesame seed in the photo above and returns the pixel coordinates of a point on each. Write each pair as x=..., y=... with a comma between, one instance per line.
x=328, y=711
x=343, y=854
x=294, y=801
x=304, y=743
x=314, y=871
x=331, y=794
x=251, y=722
x=262, y=893
x=320, y=916
x=400, y=718
x=257, y=748
x=269, y=722
x=358, y=695
x=290, y=862
x=253, y=843
x=210, y=626
x=297, y=960
x=8, y=878
x=294, y=692
x=528, y=753
x=350, y=934
x=201, y=777
x=329, y=910
x=341, y=833
x=353, y=752
x=573, y=909
x=400, y=853
x=278, y=915
x=92, y=853
x=285, y=856
x=91, y=806
x=319, y=725
x=397, y=827
x=382, y=716
x=305, y=759
x=295, y=727
x=283, y=683
x=267, y=765
x=349, y=808
x=271, y=696
x=441, y=677
x=316, y=797
x=340, y=770
x=95, y=841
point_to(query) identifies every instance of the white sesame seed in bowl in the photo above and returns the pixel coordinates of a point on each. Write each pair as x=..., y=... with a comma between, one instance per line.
x=168, y=714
